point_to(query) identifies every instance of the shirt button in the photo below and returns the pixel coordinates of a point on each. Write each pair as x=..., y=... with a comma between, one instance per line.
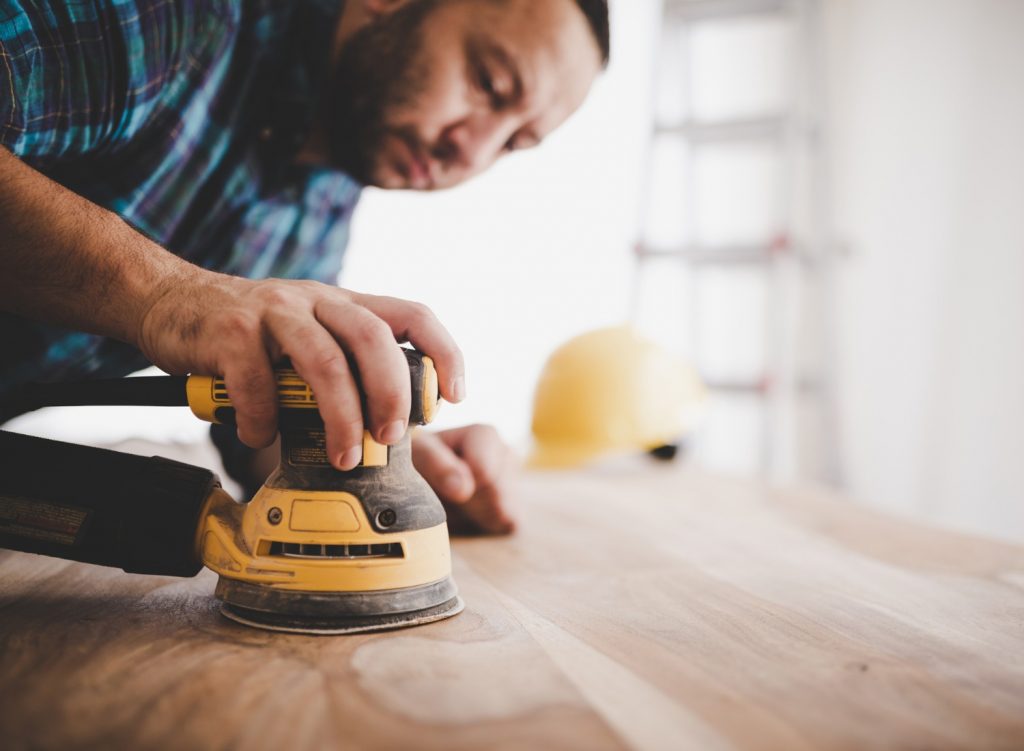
x=266, y=134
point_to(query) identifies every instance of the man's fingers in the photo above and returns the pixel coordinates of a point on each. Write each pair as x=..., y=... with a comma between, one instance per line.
x=483, y=512
x=415, y=323
x=449, y=476
x=486, y=454
x=483, y=451
x=336, y=340
x=487, y=511
x=477, y=457
x=319, y=360
x=383, y=369
x=250, y=381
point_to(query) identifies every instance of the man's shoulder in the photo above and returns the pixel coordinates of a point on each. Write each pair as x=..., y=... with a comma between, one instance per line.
x=173, y=13
x=143, y=31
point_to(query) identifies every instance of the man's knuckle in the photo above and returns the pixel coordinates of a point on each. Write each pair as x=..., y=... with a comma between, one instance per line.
x=276, y=294
x=366, y=329
x=483, y=432
x=327, y=297
x=350, y=425
x=449, y=353
x=421, y=315
x=391, y=399
x=256, y=406
x=237, y=323
x=251, y=379
x=331, y=372
x=331, y=364
x=487, y=477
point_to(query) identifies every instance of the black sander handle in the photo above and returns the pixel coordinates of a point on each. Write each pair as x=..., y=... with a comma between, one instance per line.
x=208, y=397
x=155, y=391
x=137, y=513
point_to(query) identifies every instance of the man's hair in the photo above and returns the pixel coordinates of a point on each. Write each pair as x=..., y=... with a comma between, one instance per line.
x=596, y=12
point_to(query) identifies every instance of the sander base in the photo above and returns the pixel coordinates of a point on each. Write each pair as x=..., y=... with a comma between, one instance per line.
x=334, y=613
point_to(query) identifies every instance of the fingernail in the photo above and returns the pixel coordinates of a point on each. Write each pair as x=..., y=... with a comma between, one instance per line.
x=455, y=485
x=459, y=389
x=350, y=459
x=393, y=433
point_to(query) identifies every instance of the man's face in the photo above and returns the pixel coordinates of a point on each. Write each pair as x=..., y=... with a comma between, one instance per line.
x=436, y=91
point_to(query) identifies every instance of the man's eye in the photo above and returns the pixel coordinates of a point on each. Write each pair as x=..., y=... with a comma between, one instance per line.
x=486, y=83
x=520, y=141
x=489, y=87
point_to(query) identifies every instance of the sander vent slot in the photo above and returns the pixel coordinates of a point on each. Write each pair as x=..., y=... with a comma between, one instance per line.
x=348, y=552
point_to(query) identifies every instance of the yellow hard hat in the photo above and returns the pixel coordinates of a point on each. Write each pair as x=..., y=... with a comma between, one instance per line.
x=610, y=390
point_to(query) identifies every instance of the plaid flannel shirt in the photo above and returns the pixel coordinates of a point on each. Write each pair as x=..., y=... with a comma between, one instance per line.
x=182, y=116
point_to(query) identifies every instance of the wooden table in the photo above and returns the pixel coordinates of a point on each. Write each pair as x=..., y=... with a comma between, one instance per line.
x=639, y=607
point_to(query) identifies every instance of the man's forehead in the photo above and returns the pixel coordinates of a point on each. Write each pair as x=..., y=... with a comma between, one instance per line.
x=547, y=44
x=534, y=26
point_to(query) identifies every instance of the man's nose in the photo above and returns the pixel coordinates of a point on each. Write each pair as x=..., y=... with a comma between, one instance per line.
x=473, y=143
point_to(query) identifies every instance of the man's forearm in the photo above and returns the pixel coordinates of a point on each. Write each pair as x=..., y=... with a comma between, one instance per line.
x=66, y=261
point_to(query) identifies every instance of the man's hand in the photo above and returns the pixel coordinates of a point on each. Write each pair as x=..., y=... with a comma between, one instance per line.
x=238, y=329
x=70, y=263
x=469, y=469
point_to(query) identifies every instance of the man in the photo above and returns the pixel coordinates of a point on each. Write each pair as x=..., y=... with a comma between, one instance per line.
x=178, y=177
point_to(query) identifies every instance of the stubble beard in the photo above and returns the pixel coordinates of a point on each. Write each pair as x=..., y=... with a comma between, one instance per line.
x=379, y=70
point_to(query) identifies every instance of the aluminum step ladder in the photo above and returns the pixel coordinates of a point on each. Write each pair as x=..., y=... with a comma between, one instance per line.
x=792, y=260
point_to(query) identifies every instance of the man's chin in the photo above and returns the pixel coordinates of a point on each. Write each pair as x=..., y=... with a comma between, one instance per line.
x=358, y=169
x=391, y=178
x=375, y=173
x=388, y=178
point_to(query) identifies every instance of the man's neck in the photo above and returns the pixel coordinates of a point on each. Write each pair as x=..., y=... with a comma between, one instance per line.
x=354, y=15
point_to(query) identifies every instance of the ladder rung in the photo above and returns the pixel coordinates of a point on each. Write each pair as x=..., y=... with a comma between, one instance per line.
x=725, y=255
x=702, y=10
x=749, y=129
x=759, y=387
x=737, y=386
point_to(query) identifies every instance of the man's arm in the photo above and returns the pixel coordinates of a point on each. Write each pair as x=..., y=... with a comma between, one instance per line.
x=66, y=261
x=56, y=263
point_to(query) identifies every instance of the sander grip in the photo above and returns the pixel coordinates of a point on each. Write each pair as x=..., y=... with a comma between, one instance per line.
x=136, y=513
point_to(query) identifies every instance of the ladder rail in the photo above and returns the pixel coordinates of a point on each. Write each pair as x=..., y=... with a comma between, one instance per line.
x=799, y=255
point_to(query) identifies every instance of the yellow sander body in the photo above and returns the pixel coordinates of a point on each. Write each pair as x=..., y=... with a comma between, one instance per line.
x=322, y=551
x=316, y=550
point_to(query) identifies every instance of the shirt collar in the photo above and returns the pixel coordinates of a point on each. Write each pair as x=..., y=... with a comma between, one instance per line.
x=298, y=77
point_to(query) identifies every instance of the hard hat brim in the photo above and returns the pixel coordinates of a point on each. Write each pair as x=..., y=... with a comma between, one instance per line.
x=547, y=456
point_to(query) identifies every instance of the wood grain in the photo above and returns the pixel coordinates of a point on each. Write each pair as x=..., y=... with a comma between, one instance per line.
x=640, y=607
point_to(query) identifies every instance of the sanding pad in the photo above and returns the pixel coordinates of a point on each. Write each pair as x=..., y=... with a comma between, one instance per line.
x=336, y=613
x=326, y=627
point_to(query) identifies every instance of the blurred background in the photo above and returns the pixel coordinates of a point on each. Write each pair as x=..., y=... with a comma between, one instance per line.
x=817, y=203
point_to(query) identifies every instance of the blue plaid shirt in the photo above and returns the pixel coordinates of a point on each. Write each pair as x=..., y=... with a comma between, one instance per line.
x=182, y=116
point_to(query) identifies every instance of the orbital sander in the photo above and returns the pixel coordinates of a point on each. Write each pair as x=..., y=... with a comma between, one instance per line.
x=316, y=550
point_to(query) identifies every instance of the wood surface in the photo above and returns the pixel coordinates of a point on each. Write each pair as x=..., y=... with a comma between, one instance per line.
x=639, y=607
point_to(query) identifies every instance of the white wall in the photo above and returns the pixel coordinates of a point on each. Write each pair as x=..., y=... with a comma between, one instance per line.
x=927, y=130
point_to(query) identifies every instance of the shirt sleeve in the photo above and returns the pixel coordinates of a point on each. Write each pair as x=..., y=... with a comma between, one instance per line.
x=79, y=77
x=57, y=76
